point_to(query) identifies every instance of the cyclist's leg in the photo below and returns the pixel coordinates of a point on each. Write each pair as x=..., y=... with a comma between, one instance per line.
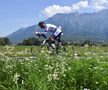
x=51, y=42
x=58, y=39
x=55, y=37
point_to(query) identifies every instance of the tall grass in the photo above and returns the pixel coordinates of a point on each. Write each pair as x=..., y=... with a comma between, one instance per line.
x=86, y=69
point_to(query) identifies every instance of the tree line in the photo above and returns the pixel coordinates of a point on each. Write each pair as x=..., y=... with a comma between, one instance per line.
x=5, y=41
x=37, y=41
x=31, y=41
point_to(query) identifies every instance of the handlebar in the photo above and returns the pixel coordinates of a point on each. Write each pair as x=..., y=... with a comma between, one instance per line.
x=41, y=34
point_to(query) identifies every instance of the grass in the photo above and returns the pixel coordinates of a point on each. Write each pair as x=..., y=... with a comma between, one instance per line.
x=86, y=69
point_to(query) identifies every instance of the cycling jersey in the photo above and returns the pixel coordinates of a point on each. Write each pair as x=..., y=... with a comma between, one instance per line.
x=52, y=28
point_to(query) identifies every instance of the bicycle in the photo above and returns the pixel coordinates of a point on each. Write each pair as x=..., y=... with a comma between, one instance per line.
x=42, y=35
x=59, y=48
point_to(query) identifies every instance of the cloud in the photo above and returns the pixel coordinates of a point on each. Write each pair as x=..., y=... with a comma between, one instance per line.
x=80, y=5
x=95, y=5
x=99, y=4
x=54, y=9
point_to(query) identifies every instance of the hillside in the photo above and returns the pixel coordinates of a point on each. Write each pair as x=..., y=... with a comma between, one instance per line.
x=75, y=26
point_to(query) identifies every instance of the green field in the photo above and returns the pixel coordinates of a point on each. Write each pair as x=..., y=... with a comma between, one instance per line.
x=85, y=68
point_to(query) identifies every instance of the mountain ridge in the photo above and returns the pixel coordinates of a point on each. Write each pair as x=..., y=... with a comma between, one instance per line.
x=75, y=26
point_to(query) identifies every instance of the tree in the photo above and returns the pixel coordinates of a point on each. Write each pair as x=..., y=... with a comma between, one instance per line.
x=87, y=42
x=31, y=41
x=4, y=41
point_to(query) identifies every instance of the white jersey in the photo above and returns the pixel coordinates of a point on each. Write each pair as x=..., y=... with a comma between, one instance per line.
x=52, y=28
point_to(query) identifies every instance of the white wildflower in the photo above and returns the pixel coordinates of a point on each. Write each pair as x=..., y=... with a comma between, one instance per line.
x=86, y=89
x=49, y=77
x=16, y=77
x=26, y=58
x=55, y=76
x=76, y=56
x=97, y=82
x=69, y=68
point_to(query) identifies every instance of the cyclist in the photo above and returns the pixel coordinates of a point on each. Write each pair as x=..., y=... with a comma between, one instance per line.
x=56, y=33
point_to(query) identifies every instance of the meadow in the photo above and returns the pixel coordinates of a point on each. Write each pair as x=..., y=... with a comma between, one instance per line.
x=85, y=68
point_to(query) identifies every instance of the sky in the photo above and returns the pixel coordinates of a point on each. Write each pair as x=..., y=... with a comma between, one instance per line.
x=15, y=14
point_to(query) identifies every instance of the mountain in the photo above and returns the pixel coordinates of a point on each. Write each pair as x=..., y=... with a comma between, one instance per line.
x=23, y=33
x=75, y=26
